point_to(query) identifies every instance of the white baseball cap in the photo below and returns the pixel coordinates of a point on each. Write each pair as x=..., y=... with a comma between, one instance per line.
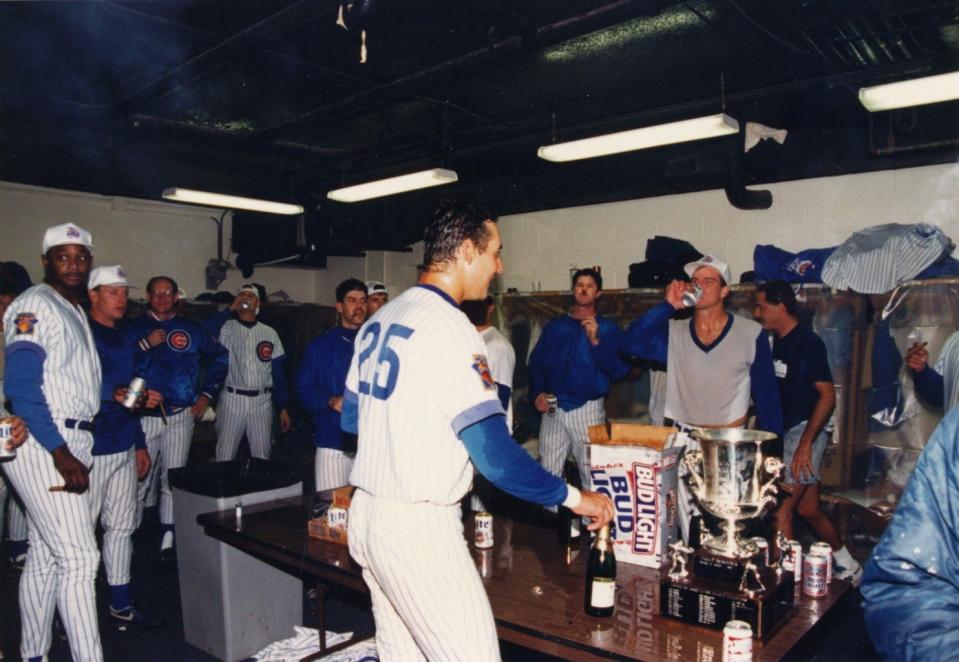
x=251, y=289
x=113, y=275
x=376, y=287
x=68, y=233
x=710, y=261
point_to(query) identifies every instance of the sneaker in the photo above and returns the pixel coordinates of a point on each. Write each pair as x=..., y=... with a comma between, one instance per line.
x=851, y=574
x=16, y=562
x=133, y=616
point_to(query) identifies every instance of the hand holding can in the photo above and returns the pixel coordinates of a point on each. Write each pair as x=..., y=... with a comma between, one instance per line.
x=692, y=296
x=7, y=450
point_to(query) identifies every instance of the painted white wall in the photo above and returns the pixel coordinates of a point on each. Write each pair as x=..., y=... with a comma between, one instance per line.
x=541, y=247
x=150, y=237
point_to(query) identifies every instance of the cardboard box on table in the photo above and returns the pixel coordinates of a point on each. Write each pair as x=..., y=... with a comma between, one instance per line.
x=330, y=514
x=634, y=466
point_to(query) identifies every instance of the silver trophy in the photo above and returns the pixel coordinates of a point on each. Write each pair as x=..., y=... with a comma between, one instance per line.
x=726, y=478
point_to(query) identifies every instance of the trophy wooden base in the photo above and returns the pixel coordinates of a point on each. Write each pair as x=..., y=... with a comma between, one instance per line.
x=721, y=569
x=712, y=604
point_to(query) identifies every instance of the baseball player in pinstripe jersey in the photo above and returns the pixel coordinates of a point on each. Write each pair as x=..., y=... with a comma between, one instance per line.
x=52, y=378
x=119, y=445
x=576, y=358
x=319, y=385
x=17, y=528
x=256, y=374
x=172, y=349
x=420, y=396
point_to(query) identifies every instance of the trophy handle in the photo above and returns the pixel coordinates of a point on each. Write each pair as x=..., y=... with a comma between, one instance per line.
x=772, y=466
x=693, y=459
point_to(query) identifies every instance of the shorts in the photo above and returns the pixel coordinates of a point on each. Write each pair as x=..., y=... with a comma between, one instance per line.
x=791, y=442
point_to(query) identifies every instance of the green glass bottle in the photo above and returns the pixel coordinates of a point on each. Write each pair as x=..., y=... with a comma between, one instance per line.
x=601, y=576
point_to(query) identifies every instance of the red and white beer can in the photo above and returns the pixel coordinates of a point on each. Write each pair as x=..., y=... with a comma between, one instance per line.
x=483, y=533
x=737, y=642
x=824, y=550
x=814, y=584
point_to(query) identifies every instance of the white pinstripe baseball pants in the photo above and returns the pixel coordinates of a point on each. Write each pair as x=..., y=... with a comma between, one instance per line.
x=113, y=498
x=169, y=448
x=566, y=431
x=238, y=414
x=11, y=506
x=62, y=561
x=428, y=599
x=331, y=468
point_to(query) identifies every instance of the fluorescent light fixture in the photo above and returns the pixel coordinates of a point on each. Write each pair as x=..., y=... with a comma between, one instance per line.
x=393, y=185
x=230, y=201
x=699, y=128
x=915, y=92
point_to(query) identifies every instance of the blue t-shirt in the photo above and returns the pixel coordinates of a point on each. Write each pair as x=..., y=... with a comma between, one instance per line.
x=800, y=360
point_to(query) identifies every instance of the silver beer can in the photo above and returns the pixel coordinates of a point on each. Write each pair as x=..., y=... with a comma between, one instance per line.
x=763, y=546
x=483, y=530
x=824, y=550
x=6, y=431
x=692, y=296
x=136, y=388
x=814, y=584
x=552, y=402
x=737, y=642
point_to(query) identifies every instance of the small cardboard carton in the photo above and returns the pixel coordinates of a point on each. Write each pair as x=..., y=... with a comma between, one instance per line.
x=633, y=465
x=330, y=515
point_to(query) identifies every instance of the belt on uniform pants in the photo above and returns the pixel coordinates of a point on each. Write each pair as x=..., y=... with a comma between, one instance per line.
x=240, y=391
x=74, y=424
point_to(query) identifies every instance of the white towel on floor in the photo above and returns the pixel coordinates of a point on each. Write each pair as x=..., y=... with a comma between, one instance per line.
x=306, y=641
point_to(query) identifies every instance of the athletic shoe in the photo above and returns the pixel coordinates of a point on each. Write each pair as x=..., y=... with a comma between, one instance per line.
x=133, y=616
x=852, y=574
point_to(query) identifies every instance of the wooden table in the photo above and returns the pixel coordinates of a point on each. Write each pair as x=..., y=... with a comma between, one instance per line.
x=535, y=586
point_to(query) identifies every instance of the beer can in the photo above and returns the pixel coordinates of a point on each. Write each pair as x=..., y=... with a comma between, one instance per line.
x=824, y=550
x=691, y=297
x=483, y=533
x=551, y=401
x=792, y=558
x=737, y=642
x=814, y=583
x=136, y=388
x=763, y=546
x=6, y=431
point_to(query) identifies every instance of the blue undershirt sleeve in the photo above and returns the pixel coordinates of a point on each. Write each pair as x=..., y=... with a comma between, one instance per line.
x=349, y=417
x=23, y=381
x=218, y=363
x=764, y=389
x=606, y=353
x=281, y=392
x=930, y=386
x=507, y=465
x=648, y=336
x=214, y=323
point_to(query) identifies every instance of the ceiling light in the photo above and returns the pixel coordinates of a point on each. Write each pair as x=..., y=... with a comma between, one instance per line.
x=230, y=201
x=915, y=92
x=651, y=136
x=381, y=187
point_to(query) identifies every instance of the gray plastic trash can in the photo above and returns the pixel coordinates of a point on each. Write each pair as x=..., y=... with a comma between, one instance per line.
x=233, y=605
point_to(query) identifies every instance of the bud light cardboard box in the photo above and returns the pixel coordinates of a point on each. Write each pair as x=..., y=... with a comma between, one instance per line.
x=633, y=464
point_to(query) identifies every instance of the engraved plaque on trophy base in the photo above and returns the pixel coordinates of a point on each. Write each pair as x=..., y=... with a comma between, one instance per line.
x=721, y=569
x=711, y=604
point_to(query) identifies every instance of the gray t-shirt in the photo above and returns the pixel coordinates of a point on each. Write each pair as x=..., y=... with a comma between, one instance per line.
x=710, y=385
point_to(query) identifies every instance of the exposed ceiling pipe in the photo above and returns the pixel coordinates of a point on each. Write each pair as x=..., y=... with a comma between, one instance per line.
x=738, y=195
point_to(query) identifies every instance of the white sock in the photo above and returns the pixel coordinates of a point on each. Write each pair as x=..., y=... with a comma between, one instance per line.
x=167, y=542
x=843, y=558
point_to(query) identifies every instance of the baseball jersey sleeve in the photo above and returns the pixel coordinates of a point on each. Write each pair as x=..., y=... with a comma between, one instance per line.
x=214, y=323
x=468, y=391
x=930, y=386
x=309, y=383
x=29, y=328
x=648, y=336
x=606, y=353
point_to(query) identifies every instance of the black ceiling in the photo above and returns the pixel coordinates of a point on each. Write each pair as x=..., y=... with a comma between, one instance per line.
x=267, y=98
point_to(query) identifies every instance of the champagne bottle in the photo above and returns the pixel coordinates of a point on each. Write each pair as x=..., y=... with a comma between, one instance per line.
x=601, y=576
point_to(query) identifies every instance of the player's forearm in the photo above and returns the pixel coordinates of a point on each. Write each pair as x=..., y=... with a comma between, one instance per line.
x=505, y=464
x=818, y=418
x=219, y=363
x=281, y=394
x=930, y=386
